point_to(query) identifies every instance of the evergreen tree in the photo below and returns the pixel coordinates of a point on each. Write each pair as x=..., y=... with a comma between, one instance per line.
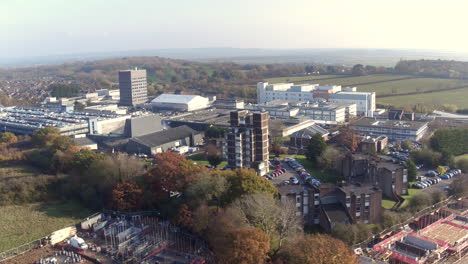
x=412, y=171
x=316, y=147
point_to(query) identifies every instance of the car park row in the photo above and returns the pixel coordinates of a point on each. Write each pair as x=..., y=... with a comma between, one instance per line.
x=435, y=180
x=302, y=173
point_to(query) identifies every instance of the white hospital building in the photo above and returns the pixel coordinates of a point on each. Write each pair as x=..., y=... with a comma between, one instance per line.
x=365, y=101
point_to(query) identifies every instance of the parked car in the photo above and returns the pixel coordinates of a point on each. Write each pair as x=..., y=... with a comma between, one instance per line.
x=286, y=182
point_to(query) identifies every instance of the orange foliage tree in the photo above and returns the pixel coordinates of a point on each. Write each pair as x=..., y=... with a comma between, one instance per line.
x=127, y=196
x=172, y=173
x=185, y=217
x=316, y=249
x=242, y=246
x=348, y=138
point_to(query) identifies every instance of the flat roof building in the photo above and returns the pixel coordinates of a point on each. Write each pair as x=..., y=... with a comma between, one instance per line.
x=180, y=102
x=365, y=101
x=393, y=129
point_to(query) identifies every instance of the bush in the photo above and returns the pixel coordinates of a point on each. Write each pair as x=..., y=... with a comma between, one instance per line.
x=462, y=164
x=428, y=158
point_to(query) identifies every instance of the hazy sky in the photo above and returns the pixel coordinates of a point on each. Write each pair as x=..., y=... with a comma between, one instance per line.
x=44, y=27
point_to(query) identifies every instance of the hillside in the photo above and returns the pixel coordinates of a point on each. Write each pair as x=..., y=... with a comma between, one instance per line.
x=168, y=75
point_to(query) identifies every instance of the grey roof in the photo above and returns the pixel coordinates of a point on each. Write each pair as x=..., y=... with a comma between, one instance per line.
x=336, y=213
x=165, y=136
x=396, y=124
x=139, y=126
x=309, y=132
x=175, y=98
x=84, y=141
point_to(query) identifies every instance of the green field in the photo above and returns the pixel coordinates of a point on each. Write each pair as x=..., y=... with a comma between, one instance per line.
x=455, y=97
x=20, y=224
x=388, y=84
x=387, y=203
x=461, y=157
x=301, y=79
x=200, y=160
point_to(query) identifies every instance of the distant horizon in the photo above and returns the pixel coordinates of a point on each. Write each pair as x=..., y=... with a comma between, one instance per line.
x=330, y=56
x=54, y=27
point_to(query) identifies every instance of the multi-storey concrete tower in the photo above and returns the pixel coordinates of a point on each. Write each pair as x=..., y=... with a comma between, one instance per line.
x=133, y=87
x=247, y=142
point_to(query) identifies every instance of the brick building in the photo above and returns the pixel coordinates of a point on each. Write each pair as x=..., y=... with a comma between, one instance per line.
x=367, y=169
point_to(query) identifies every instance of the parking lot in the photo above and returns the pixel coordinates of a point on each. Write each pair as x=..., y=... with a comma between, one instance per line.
x=442, y=184
x=285, y=176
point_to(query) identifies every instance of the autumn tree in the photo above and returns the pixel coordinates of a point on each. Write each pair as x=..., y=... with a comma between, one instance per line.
x=44, y=136
x=117, y=167
x=8, y=138
x=83, y=159
x=172, y=173
x=329, y=158
x=61, y=143
x=246, y=181
x=276, y=218
x=242, y=246
x=127, y=196
x=316, y=147
x=316, y=249
x=213, y=155
x=207, y=187
x=348, y=138
x=184, y=217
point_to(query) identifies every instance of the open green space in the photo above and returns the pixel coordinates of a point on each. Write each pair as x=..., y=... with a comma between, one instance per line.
x=323, y=176
x=387, y=203
x=20, y=224
x=389, y=84
x=455, y=97
x=411, y=192
x=461, y=157
x=301, y=79
x=200, y=160
x=16, y=170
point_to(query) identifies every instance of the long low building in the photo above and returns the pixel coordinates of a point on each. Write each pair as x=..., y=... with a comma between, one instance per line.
x=180, y=102
x=393, y=129
x=26, y=120
x=165, y=140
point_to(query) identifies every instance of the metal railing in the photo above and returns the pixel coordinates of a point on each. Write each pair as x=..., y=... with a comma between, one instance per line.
x=10, y=253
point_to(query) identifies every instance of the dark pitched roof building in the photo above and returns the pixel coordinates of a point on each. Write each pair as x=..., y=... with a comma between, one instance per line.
x=157, y=142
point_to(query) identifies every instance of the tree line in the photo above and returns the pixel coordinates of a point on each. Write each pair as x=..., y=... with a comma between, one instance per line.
x=237, y=212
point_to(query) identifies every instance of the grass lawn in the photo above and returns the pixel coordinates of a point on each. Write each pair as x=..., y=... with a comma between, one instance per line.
x=20, y=224
x=321, y=175
x=200, y=160
x=461, y=157
x=301, y=79
x=455, y=97
x=387, y=84
x=387, y=203
x=411, y=192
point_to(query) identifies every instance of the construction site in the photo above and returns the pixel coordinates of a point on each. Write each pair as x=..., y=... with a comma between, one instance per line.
x=117, y=238
x=439, y=237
